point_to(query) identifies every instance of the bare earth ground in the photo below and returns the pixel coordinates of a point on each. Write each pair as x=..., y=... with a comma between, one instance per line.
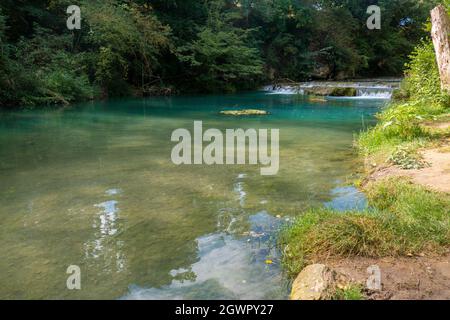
x=409, y=278
x=414, y=278
x=436, y=177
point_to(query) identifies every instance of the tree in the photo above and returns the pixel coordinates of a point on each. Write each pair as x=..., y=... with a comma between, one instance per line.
x=440, y=33
x=125, y=42
x=221, y=57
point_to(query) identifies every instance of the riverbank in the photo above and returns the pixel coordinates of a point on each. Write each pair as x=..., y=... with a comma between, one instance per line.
x=405, y=222
x=406, y=181
x=422, y=277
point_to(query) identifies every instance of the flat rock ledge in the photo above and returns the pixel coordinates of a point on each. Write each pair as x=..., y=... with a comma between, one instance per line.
x=246, y=112
x=318, y=282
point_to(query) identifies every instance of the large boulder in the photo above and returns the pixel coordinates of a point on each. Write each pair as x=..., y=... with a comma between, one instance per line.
x=317, y=282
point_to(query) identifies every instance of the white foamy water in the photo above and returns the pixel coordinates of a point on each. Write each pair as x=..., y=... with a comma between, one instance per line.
x=283, y=90
x=364, y=90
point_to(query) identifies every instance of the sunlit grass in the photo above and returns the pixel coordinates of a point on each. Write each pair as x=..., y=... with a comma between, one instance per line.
x=354, y=292
x=404, y=219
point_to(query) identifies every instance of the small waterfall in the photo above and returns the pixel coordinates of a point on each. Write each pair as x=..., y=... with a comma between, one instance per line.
x=374, y=93
x=283, y=90
x=364, y=89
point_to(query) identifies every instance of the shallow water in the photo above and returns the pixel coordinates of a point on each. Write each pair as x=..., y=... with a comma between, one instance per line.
x=94, y=186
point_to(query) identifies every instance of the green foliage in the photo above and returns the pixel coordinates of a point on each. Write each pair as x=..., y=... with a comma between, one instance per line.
x=118, y=47
x=336, y=45
x=352, y=293
x=128, y=41
x=421, y=99
x=422, y=76
x=129, y=46
x=47, y=72
x=407, y=157
x=405, y=219
x=221, y=60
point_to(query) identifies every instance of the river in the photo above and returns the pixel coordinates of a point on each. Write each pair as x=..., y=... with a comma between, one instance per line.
x=93, y=185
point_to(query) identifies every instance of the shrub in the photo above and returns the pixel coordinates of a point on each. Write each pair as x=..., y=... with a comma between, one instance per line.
x=407, y=157
x=420, y=99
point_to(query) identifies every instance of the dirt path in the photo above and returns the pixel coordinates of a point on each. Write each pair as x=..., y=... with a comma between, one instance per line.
x=436, y=177
x=414, y=278
x=424, y=277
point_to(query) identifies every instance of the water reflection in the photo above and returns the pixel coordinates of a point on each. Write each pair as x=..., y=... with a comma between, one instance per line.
x=105, y=246
x=229, y=267
x=346, y=199
x=94, y=186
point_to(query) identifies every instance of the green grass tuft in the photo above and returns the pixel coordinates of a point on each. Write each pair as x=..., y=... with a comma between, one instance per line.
x=419, y=100
x=354, y=292
x=404, y=219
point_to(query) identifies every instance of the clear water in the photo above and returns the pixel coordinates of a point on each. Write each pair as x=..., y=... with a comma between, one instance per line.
x=94, y=186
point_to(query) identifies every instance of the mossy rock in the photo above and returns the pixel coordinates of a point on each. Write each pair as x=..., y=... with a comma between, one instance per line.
x=343, y=92
x=332, y=91
x=317, y=99
x=247, y=112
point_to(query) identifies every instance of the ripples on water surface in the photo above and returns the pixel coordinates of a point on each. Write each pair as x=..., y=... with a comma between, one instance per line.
x=94, y=186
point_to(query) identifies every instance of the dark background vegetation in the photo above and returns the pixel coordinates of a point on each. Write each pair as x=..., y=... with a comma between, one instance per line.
x=165, y=46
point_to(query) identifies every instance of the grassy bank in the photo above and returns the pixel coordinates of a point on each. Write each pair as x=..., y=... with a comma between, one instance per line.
x=403, y=219
x=405, y=124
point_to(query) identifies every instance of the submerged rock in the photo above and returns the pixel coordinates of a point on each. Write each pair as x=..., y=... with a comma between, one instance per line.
x=247, y=112
x=317, y=282
x=316, y=99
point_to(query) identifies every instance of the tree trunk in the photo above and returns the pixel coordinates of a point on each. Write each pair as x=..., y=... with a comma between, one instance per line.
x=440, y=33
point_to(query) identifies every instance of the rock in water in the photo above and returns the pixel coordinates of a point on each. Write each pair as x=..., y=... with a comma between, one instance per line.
x=247, y=112
x=316, y=99
x=332, y=91
x=317, y=282
x=344, y=92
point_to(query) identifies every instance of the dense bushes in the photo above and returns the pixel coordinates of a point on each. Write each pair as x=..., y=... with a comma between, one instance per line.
x=118, y=47
x=128, y=46
x=220, y=60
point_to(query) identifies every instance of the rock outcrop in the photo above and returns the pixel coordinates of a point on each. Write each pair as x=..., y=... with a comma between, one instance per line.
x=332, y=91
x=317, y=282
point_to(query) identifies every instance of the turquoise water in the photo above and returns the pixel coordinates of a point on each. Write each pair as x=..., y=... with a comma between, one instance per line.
x=93, y=185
